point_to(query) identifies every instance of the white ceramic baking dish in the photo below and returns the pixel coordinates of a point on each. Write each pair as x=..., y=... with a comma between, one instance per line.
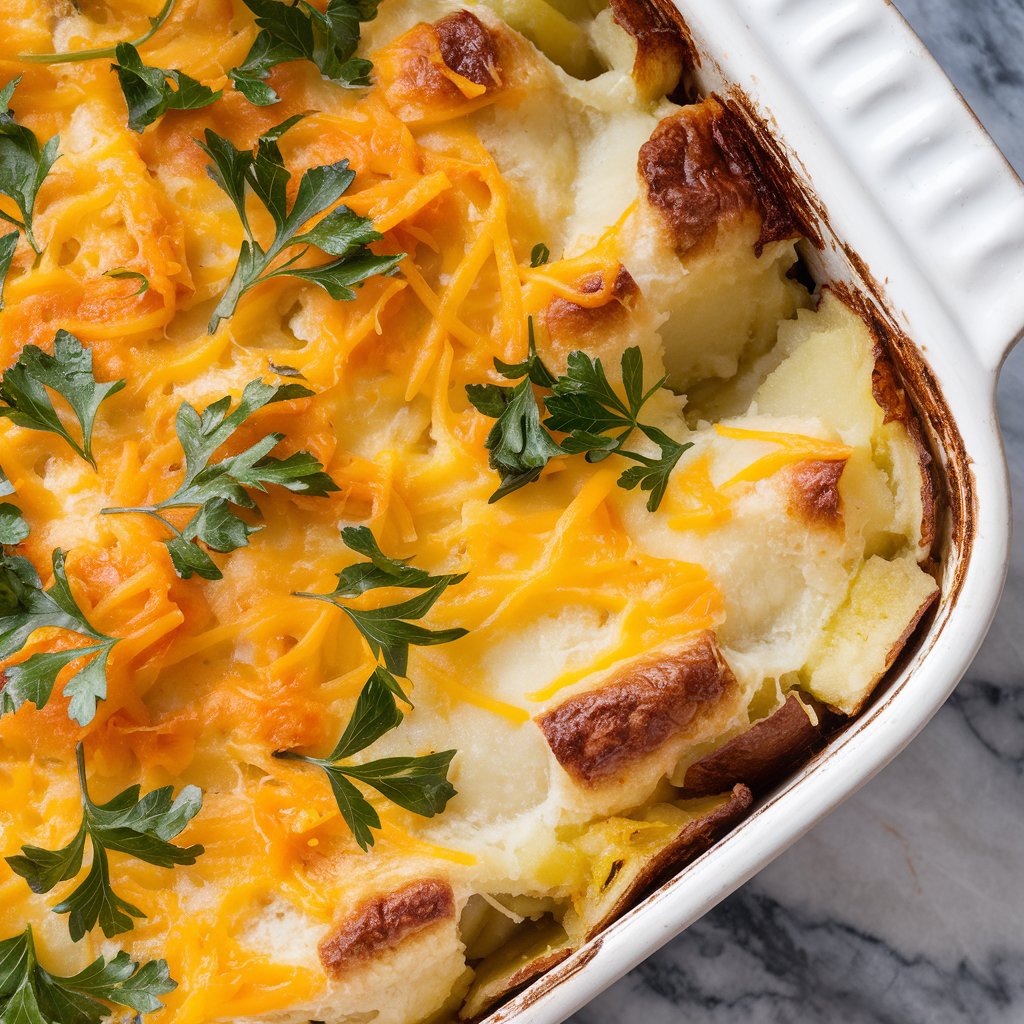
x=919, y=209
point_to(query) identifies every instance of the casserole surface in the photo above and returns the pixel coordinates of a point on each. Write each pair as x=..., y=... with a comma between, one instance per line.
x=579, y=601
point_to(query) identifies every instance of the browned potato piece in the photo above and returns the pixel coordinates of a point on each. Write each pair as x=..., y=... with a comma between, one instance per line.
x=764, y=753
x=384, y=922
x=600, y=736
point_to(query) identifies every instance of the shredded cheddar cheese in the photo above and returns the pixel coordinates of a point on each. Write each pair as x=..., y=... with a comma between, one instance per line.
x=209, y=678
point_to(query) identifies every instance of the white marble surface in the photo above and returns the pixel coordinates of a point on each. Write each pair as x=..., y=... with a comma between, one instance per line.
x=906, y=906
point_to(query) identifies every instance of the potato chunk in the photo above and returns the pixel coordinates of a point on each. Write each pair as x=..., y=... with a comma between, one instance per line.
x=885, y=603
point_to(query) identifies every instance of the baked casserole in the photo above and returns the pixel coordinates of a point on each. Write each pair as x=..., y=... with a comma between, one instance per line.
x=436, y=502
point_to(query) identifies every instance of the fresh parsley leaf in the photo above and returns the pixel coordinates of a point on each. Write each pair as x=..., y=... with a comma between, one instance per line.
x=23, y=165
x=520, y=446
x=120, y=273
x=24, y=399
x=582, y=404
x=29, y=994
x=388, y=630
x=8, y=245
x=13, y=528
x=103, y=52
x=419, y=784
x=217, y=490
x=539, y=255
x=150, y=92
x=24, y=608
x=300, y=32
x=342, y=233
x=139, y=826
x=652, y=474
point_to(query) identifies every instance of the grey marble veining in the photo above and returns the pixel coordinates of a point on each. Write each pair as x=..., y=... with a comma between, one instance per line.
x=906, y=906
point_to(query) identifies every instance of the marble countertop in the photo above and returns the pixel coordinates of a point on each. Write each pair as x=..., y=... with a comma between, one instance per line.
x=905, y=906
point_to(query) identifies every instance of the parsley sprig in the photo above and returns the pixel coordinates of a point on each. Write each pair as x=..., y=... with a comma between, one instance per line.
x=217, y=490
x=519, y=444
x=300, y=32
x=30, y=994
x=419, y=784
x=139, y=826
x=24, y=608
x=150, y=92
x=23, y=391
x=341, y=234
x=388, y=630
x=23, y=164
x=102, y=52
x=584, y=405
x=13, y=528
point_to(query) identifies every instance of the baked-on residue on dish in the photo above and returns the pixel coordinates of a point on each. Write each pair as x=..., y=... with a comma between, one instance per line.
x=487, y=515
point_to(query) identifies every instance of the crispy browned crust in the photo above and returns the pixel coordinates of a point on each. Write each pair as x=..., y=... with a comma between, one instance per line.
x=762, y=755
x=696, y=838
x=704, y=167
x=413, y=77
x=814, y=496
x=662, y=51
x=468, y=48
x=570, y=325
x=384, y=923
x=599, y=735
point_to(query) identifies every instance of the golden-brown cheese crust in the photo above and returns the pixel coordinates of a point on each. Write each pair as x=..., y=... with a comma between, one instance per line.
x=703, y=167
x=760, y=756
x=814, y=496
x=569, y=326
x=384, y=922
x=469, y=48
x=412, y=69
x=662, y=52
x=599, y=735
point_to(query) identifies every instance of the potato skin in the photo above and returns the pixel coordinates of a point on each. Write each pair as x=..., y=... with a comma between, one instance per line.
x=695, y=838
x=762, y=755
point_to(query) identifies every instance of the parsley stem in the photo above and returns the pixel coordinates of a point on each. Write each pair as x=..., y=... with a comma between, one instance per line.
x=80, y=758
x=100, y=52
x=146, y=512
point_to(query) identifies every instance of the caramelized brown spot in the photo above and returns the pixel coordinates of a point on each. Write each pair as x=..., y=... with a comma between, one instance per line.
x=468, y=48
x=384, y=922
x=596, y=736
x=760, y=756
x=703, y=167
x=814, y=492
x=569, y=321
x=662, y=51
x=416, y=70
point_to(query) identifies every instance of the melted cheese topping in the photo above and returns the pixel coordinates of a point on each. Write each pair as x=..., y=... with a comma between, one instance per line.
x=568, y=578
